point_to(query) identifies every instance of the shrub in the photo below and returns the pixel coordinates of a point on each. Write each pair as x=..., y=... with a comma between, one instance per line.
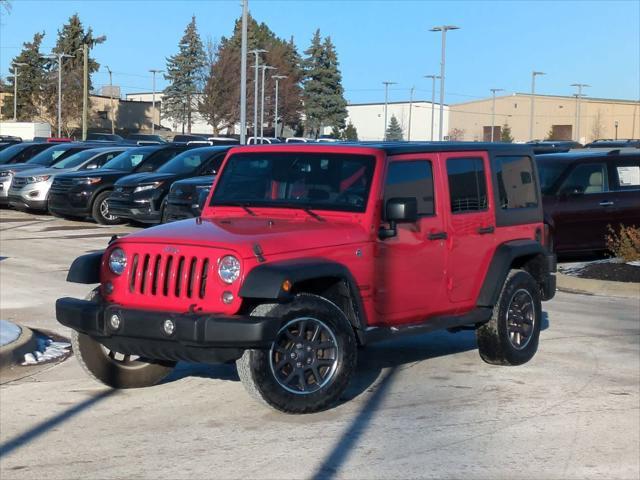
x=624, y=243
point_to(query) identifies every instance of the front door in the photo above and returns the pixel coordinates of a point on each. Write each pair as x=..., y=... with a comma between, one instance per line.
x=410, y=267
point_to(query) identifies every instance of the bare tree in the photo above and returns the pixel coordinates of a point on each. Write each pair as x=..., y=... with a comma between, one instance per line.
x=597, y=128
x=456, y=134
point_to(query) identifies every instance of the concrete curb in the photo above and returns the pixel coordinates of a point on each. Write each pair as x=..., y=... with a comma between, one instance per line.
x=13, y=353
x=571, y=284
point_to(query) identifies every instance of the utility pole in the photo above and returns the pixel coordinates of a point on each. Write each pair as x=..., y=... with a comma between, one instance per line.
x=257, y=53
x=58, y=57
x=444, y=29
x=615, y=124
x=410, y=108
x=264, y=69
x=533, y=98
x=113, y=130
x=277, y=78
x=243, y=75
x=15, y=88
x=153, y=100
x=578, y=95
x=433, y=99
x=493, y=109
x=386, y=98
x=85, y=89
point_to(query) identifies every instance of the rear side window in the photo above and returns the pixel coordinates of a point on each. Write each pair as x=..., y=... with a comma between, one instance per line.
x=587, y=178
x=158, y=159
x=516, y=182
x=628, y=175
x=467, y=185
x=412, y=179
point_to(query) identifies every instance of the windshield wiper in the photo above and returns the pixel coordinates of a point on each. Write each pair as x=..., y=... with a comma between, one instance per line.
x=242, y=205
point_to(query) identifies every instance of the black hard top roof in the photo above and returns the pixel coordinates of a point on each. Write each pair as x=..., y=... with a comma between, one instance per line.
x=583, y=153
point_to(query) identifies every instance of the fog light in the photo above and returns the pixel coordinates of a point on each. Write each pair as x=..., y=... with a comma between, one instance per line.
x=114, y=321
x=169, y=327
x=35, y=193
x=227, y=297
x=108, y=288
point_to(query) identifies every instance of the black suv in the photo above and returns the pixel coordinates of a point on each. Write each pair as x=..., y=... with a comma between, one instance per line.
x=82, y=194
x=142, y=198
x=186, y=198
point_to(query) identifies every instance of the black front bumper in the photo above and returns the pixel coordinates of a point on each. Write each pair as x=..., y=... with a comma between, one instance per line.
x=141, y=211
x=206, y=338
x=21, y=203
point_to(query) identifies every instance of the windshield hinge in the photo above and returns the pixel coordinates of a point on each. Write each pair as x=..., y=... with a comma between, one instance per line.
x=257, y=251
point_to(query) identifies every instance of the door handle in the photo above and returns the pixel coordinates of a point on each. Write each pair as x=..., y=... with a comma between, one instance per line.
x=437, y=236
x=606, y=204
x=485, y=230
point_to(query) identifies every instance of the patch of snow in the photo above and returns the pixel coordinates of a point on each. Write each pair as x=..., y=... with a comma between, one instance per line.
x=635, y=263
x=574, y=268
x=47, y=351
x=9, y=332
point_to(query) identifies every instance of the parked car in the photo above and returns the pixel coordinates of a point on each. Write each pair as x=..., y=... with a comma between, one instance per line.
x=585, y=192
x=21, y=152
x=84, y=194
x=553, y=146
x=186, y=198
x=304, y=253
x=46, y=158
x=143, y=197
x=223, y=141
x=104, y=137
x=299, y=140
x=30, y=189
x=609, y=143
x=188, y=138
x=10, y=138
x=262, y=140
x=145, y=138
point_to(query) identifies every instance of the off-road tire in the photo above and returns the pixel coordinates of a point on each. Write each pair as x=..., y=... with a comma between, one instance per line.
x=494, y=344
x=96, y=363
x=96, y=212
x=258, y=378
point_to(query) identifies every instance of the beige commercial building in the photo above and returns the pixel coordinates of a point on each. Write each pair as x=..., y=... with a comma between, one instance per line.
x=554, y=118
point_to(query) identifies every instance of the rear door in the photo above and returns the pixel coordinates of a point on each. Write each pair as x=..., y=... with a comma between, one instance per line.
x=470, y=224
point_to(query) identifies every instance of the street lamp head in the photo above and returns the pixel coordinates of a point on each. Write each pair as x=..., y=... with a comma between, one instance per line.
x=153, y=70
x=579, y=85
x=444, y=28
x=534, y=73
x=432, y=76
x=258, y=51
x=494, y=90
x=279, y=77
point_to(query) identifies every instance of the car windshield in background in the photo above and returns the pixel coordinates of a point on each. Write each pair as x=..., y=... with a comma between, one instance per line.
x=49, y=156
x=186, y=162
x=74, y=160
x=9, y=152
x=549, y=171
x=126, y=161
x=296, y=180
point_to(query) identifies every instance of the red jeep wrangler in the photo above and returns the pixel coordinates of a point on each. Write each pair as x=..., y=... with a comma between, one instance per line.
x=305, y=252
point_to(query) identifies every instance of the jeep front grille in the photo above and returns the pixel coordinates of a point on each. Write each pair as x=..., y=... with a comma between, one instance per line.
x=167, y=275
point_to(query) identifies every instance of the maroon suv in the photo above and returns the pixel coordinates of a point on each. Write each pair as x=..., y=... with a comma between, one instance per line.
x=584, y=192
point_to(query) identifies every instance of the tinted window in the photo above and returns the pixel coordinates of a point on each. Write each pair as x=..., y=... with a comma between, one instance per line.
x=74, y=160
x=411, y=179
x=586, y=178
x=467, y=184
x=52, y=155
x=186, y=162
x=127, y=161
x=628, y=175
x=516, y=182
x=549, y=171
x=298, y=180
x=18, y=153
x=157, y=159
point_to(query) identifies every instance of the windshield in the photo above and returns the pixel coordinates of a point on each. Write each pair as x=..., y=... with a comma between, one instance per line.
x=126, y=161
x=186, y=162
x=74, y=160
x=49, y=156
x=296, y=180
x=549, y=171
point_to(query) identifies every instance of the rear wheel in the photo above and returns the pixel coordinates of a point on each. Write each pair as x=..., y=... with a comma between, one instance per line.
x=311, y=361
x=100, y=210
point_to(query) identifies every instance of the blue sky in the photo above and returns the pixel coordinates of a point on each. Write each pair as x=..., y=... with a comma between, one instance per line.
x=499, y=44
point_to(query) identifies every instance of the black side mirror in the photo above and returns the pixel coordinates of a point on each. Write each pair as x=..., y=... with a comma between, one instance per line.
x=398, y=210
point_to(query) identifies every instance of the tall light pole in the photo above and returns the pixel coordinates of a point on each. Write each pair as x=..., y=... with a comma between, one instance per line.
x=58, y=57
x=113, y=130
x=410, y=108
x=386, y=99
x=277, y=78
x=578, y=95
x=444, y=29
x=433, y=99
x=153, y=72
x=534, y=74
x=85, y=82
x=243, y=75
x=257, y=53
x=15, y=88
x=493, y=109
x=264, y=69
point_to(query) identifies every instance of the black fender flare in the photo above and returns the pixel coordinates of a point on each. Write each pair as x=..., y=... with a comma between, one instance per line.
x=265, y=282
x=86, y=268
x=503, y=258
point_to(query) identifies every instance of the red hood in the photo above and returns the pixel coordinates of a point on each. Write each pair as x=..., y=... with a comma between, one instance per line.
x=240, y=234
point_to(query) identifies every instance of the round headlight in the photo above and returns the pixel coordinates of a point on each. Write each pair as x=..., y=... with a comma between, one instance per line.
x=117, y=261
x=229, y=269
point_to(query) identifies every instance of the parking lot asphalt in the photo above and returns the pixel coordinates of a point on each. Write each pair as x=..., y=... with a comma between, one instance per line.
x=420, y=407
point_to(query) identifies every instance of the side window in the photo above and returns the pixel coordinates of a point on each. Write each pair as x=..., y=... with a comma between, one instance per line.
x=586, y=178
x=467, y=185
x=412, y=179
x=628, y=175
x=106, y=157
x=516, y=182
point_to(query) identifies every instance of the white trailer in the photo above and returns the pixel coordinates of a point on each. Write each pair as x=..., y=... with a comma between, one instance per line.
x=25, y=130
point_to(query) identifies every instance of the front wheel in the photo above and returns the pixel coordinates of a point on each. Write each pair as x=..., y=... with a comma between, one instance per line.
x=311, y=361
x=100, y=211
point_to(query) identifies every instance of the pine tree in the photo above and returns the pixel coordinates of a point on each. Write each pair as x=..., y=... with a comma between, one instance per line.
x=31, y=80
x=186, y=73
x=324, y=100
x=394, y=130
x=350, y=133
x=505, y=134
